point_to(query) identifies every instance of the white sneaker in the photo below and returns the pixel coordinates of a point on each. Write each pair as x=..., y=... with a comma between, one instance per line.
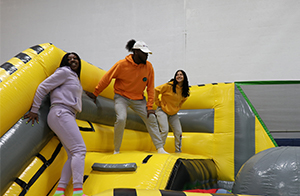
x=161, y=151
x=116, y=152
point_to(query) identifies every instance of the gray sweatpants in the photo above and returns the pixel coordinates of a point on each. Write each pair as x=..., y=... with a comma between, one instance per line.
x=164, y=121
x=139, y=106
x=62, y=122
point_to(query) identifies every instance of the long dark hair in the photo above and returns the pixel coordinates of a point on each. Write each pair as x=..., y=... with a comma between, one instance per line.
x=65, y=62
x=130, y=45
x=185, y=85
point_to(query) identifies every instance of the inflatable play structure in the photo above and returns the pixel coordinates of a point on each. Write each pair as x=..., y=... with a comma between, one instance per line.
x=221, y=131
x=274, y=171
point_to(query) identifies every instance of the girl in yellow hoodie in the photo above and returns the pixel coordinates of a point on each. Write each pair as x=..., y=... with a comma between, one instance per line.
x=169, y=98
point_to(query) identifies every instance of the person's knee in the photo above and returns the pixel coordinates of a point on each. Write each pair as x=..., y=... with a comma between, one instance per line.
x=121, y=119
x=152, y=119
x=153, y=124
x=80, y=149
x=83, y=150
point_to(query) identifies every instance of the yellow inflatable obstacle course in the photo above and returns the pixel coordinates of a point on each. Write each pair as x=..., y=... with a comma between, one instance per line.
x=220, y=133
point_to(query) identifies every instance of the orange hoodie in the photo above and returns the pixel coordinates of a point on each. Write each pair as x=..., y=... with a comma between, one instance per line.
x=131, y=79
x=169, y=101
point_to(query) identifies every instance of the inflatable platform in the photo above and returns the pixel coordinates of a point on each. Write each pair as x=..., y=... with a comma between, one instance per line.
x=220, y=133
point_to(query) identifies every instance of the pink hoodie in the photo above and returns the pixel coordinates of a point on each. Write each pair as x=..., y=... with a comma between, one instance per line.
x=64, y=87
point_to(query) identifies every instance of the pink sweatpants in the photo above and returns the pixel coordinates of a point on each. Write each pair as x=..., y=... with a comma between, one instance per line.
x=62, y=122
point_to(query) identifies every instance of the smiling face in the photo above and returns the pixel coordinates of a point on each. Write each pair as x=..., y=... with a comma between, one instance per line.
x=73, y=62
x=179, y=78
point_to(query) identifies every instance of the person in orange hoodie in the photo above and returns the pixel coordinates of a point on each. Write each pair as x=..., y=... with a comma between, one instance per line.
x=169, y=98
x=132, y=75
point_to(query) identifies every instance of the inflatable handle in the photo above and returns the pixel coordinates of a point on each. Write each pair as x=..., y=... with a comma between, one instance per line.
x=114, y=167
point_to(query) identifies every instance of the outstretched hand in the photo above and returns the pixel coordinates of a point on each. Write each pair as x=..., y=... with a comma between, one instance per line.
x=150, y=112
x=91, y=95
x=32, y=117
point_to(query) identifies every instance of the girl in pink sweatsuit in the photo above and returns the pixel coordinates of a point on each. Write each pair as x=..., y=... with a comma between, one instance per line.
x=65, y=95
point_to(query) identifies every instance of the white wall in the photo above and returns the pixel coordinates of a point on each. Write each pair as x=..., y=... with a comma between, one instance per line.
x=212, y=40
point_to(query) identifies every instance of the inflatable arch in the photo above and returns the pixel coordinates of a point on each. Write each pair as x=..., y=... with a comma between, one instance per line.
x=220, y=133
